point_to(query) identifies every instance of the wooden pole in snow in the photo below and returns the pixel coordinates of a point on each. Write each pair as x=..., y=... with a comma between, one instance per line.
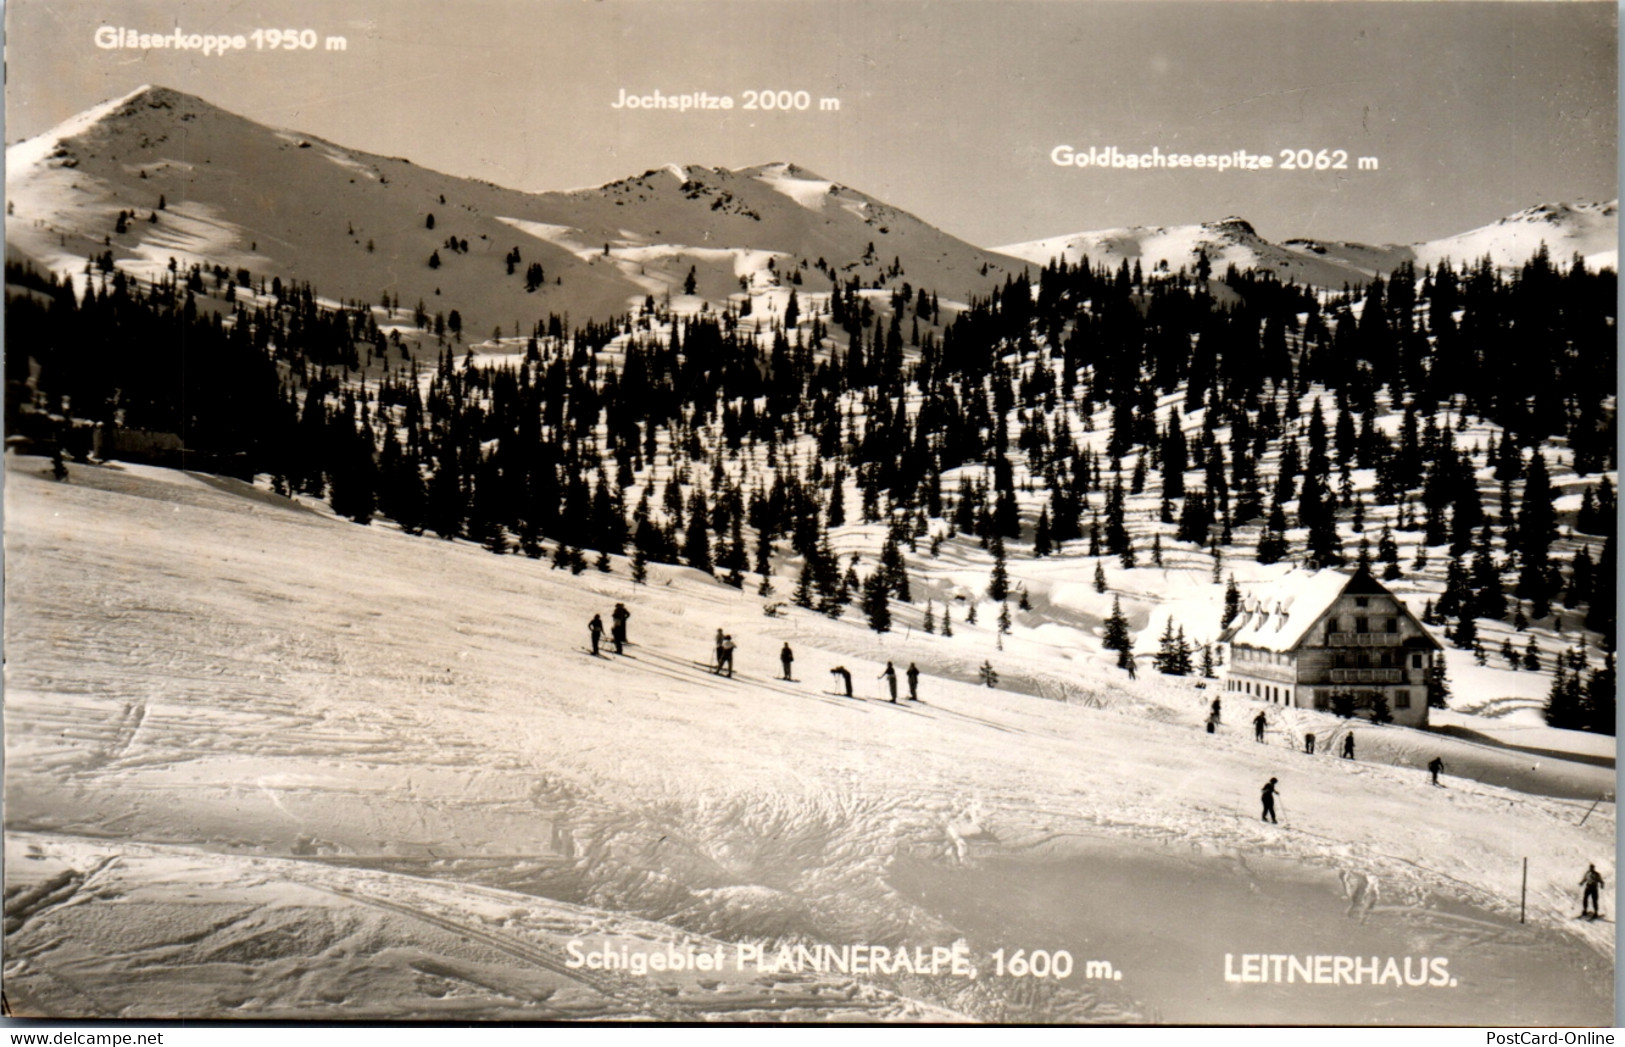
x=1586, y=815
x=1523, y=898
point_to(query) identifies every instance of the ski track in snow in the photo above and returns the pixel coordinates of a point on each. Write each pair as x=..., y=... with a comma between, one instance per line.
x=225, y=706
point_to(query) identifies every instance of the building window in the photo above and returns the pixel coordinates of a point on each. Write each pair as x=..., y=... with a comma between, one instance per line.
x=1361, y=601
x=1416, y=661
x=1402, y=699
x=1390, y=625
x=1362, y=625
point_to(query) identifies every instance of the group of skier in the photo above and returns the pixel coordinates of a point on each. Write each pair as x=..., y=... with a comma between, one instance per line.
x=1591, y=883
x=724, y=666
x=1261, y=721
x=723, y=663
x=889, y=674
x=617, y=632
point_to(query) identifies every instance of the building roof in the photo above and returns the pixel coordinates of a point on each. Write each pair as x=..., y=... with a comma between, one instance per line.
x=1278, y=618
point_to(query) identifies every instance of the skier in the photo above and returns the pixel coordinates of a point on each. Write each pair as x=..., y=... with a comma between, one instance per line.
x=620, y=614
x=59, y=468
x=1434, y=767
x=1592, y=882
x=891, y=681
x=1309, y=744
x=913, y=675
x=1212, y=724
x=1348, y=746
x=727, y=659
x=596, y=628
x=1258, y=727
x=787, y=658
x=1128, y=663
x=846, y=678
x=1269, y=802
x=720, y=656
x=1216, y=711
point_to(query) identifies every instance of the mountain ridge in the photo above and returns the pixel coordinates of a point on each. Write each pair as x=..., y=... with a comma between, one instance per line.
x=1589, y=229
x=205, y=186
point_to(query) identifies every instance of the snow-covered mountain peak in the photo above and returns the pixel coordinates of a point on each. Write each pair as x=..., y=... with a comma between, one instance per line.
x=1233, y=226
x=1564, y=213
x=1587, y=229
x=214, y=188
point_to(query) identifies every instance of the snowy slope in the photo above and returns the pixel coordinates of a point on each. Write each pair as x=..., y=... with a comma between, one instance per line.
x=243, y=738
x=281, y=203
x=1588, y=229
x=1230, y=241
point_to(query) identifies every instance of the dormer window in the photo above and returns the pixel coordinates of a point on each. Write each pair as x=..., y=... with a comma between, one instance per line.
x=1362, y=601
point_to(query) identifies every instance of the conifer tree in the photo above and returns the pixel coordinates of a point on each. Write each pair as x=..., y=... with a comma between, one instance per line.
x=998, y=585
x=1466, y=634
x=803, y=595
x=1561, y=708
x=1041, y=534
x=1601, y=697
x=875, y=602
x=1536, y=526
x=1388, y=554
x=697, y=538
x=1232, y=603
x=1115, y=636
x=1601, y=614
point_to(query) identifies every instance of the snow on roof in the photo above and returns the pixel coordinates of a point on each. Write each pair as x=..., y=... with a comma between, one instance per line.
x=1278, y=618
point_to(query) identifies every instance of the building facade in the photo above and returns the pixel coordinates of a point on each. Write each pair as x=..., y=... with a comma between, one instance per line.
x=1329, y=640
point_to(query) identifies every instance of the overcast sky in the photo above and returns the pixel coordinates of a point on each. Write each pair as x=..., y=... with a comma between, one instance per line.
x=947, y=109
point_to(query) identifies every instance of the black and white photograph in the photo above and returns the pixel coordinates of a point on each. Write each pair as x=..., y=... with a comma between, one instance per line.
x=806, y=511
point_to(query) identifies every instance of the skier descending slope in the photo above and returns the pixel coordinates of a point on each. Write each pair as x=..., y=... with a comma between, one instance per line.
x=1268, y=797
x=787, y=658
x=596, y=629
x=913, y=675
x=620, y=615
x=1258, y=727
x=1592, y=882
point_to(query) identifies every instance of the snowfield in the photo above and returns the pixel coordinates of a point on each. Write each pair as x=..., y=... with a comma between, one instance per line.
x=265, y=763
